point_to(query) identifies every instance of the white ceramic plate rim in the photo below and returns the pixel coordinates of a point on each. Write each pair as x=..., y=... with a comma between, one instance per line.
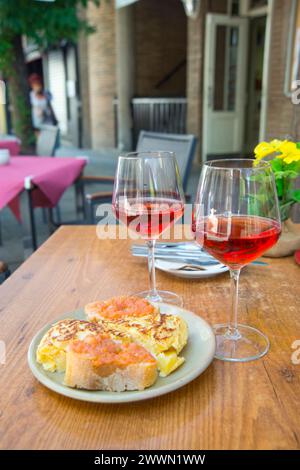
x=130, y=396
x=210, y=272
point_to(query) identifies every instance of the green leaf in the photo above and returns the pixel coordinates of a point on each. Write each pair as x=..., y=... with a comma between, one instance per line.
x=47, y=24
x=279, y=186
x=277, y=164
x=296, y=195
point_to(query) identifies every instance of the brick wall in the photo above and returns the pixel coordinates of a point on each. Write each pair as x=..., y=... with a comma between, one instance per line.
x=195, y=60
x=280, y=111
x=161, y=42
x=98, y=77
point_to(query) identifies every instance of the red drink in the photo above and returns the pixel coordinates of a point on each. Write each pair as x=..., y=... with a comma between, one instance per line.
x=150, y=217
x=237, y=240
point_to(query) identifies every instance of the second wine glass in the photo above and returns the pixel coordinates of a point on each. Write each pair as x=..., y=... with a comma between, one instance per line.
x=237, y=220
x=148, y=198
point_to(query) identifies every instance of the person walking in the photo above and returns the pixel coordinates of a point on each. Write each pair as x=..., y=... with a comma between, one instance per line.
x=41, y=108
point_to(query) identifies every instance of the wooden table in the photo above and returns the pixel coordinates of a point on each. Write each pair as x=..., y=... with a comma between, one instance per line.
x=231, y=406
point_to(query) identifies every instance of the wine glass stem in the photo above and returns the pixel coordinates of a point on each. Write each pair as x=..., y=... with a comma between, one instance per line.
x=233, y=331
x=151, y=269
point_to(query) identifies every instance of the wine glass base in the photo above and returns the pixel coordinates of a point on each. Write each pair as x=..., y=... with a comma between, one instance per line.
x=163, y=296
x=247, y=345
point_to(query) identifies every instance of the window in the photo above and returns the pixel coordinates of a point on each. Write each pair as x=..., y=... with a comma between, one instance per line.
x=227, y=40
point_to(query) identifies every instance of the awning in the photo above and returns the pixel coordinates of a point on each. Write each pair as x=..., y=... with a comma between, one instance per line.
x=123, y=3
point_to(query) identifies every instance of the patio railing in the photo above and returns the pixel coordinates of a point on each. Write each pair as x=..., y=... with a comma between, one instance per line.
x=156, y=114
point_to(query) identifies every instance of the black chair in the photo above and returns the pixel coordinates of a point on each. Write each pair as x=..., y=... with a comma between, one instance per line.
x=4, y=272
x=182, y=145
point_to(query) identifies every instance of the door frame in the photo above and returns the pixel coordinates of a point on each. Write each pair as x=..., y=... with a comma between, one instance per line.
x=208, y=92
x=267, y=11
x=253, y=112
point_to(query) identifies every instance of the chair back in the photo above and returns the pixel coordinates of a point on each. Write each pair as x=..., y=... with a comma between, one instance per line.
x=4, y=271
x=47, y=141
x=183, y=145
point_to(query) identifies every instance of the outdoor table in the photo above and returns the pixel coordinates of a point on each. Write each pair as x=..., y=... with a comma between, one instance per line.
x=253, y=405
x=11, y=143
x=44, y=178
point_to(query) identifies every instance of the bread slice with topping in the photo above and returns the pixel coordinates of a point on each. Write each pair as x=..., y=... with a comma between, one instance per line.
x=100, y=363
x=119, y=308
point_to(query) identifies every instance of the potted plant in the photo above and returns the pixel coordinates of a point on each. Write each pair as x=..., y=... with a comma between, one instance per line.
x=284, y=157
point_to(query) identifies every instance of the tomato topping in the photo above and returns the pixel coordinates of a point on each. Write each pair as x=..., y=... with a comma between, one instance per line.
x=103, y=350
x=120, y=307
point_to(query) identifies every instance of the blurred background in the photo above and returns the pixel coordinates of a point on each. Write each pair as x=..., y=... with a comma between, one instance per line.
x=219, y=70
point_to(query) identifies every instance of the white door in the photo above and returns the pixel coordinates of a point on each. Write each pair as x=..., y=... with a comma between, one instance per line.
x=57, y=87
x=225, y=75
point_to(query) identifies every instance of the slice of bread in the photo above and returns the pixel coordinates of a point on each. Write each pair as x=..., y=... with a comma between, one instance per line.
x=100, y=363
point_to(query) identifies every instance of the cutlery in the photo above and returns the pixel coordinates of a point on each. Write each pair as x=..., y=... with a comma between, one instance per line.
x=182, y=245
x=190, y=267
x=168, y=252
x=186, y=246
x=186, y=256
x=190, y=261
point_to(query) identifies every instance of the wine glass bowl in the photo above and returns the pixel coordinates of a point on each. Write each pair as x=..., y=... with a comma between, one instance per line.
x=237, y=240
x=237, y=220
x=148, y=198
x=151, y=217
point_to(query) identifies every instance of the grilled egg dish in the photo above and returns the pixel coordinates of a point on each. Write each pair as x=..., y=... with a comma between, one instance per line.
x=51, y=352
x=162, y=335
x=122, y=346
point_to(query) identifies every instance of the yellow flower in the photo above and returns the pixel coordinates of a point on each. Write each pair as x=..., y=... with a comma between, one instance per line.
x=287, y=148
x=292, y=157
x=284, y=149
x=263, y=149
x=278, y=145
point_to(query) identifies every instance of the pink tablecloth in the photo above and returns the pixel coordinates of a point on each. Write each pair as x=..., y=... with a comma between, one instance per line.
x=13, y=145
x=52, y=176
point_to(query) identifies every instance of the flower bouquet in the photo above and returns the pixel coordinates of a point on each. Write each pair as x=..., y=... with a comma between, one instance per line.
x=284, y=157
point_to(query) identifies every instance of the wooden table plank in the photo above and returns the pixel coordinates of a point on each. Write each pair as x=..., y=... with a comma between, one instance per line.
x=231, y=406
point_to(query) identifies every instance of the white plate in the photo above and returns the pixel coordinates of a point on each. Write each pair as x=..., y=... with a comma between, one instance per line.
x=170, y=267
x=198, y=354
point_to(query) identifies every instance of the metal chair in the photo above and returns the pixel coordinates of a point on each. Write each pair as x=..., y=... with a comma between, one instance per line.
x=4, y=272
x=182, y=145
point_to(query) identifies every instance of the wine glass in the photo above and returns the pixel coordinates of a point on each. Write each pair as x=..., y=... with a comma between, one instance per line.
x=237, y=220
x=148, y=198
